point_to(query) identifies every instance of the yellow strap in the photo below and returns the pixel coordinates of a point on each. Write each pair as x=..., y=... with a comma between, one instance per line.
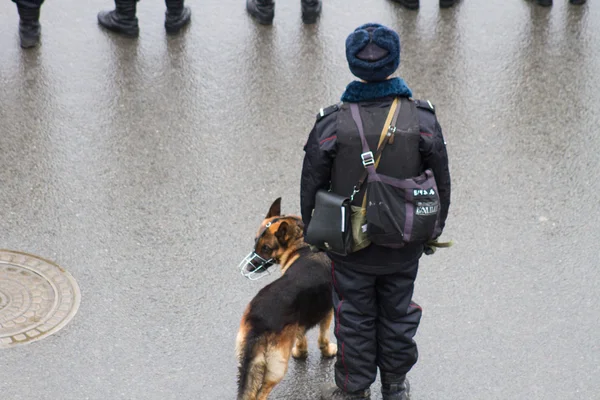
x=386, y=126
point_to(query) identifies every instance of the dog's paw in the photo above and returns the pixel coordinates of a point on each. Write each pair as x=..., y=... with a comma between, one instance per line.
x=330, y=350
x=299, y=354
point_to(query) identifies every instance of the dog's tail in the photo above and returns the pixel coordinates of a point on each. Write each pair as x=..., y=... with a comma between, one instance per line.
x=252, y=366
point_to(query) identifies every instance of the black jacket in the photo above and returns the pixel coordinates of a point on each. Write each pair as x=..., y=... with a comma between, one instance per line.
x=321, y=150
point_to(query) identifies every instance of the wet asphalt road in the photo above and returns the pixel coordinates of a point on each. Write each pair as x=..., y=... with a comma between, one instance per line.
x=144, y=167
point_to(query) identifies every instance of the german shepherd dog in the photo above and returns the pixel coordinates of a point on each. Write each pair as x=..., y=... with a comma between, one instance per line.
x=274, y=324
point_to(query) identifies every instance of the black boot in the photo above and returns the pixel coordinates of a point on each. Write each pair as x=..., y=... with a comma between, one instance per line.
x=122, y=19
x=447, y=3
x=394, y=386
x=332, y=392
x=29, y=26
x=544, y=3
x=177, y=16
x=263, y=11
x=410, y=4
x=577, y=2
x=311, y=9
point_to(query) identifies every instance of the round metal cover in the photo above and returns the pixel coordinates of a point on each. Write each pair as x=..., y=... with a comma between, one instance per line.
x=37, y=298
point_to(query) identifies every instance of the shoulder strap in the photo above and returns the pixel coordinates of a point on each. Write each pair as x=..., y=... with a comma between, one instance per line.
x=389, y=128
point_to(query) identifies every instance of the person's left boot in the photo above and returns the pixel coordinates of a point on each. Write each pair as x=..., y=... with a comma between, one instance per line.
x=577, y=2
x=29, y=27
x=394, y=386
x=332, y=392
x=311, y=9
x=177, y=16
x=447, y=3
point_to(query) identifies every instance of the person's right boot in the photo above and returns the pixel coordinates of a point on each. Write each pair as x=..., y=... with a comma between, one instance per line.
x=29, y=26
x=410, y=4
x=122, y=19
x=544, y=3
x=394, y=386
x=330, y=391
x=177, y=16
x=311, y=9
x=263, y=11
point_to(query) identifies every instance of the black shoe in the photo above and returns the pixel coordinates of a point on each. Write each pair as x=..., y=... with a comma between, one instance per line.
x=544, y=3
x=29, y=27
x=332, y=392
x=177, y=16
x=263, y=11
x=447, y=3
x=577, y=2
x=311, y=11
x=122, y=19
x=394, y=387
x=410, y=4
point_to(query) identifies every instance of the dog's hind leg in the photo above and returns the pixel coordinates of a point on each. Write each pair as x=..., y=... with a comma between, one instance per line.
x=327, y=349
x=300, y=349
x=277, y=359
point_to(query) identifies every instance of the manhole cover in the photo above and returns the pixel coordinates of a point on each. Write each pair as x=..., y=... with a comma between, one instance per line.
x=37, y=298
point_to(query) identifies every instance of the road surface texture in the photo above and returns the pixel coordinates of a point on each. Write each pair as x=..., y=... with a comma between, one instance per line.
x=144, y=167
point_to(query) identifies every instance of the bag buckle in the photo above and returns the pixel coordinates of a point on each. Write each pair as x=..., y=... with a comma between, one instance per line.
x=367, y=159
x=355, y=191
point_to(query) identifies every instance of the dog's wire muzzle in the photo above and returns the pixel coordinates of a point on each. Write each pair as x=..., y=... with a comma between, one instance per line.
x=260, y=269
x=259, y=266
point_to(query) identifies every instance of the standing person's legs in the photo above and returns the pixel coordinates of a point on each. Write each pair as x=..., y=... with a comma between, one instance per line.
x=311, y=9
x=122, y=19
x=29, y=23
x=177, y=16
x=263, y=11
x=397, y=323
x=355, y=311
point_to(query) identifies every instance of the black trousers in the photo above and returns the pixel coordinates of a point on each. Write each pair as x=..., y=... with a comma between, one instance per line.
x=375, y=322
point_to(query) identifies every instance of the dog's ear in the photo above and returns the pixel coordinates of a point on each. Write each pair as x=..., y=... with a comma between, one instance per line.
x=283, y=232
x=275, y=210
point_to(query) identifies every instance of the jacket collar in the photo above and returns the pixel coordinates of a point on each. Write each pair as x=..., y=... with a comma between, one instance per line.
x=358, y=91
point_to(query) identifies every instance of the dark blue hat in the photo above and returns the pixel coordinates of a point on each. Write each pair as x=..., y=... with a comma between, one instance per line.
x=373, y=52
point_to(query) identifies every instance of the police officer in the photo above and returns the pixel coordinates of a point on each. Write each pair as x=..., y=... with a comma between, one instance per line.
x=414, y=4
x=29, y=23
x=375, y=318
x=263, y=11
x=122, y=19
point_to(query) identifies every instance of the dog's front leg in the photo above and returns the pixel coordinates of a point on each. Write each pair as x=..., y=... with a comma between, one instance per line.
x=327, y=349
x=300, y=349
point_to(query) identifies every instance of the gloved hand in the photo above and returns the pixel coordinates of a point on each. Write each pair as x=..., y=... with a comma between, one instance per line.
x=430, y=247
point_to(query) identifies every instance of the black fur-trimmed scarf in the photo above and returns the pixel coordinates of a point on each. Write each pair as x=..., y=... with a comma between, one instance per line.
x=358, y=91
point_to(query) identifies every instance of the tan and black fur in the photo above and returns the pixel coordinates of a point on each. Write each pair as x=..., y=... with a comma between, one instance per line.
x=274, y=324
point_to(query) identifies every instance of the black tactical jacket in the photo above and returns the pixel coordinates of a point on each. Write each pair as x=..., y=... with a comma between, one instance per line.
x=322, y=151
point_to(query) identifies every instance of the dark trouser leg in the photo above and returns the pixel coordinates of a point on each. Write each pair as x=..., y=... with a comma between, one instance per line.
x=311, y=9
x=447, y=3
x=29, y=23
x=410, y=4
x=122, y=19
x=262, y=11
x=177, y=16
x=397, y=323
x=355, y=311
